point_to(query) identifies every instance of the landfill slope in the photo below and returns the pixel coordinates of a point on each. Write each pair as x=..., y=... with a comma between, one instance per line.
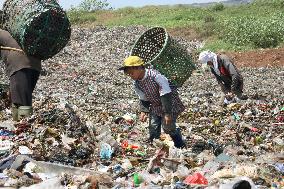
x=82, y=101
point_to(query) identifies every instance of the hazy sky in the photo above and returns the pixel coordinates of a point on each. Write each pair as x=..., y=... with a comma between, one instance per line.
x=66, y=4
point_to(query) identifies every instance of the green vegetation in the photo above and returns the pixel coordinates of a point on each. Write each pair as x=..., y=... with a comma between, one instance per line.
x=250, y=26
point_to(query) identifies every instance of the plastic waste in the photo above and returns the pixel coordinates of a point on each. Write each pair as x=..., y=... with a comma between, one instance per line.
x=217, y=149
x=212, y=166
x=102, y=168
x=125, y=144
x=182, y=171
x=228, y=101
x=92, y=89
x=196, y=179
x=106, y=137
x=279, y=167
x=278, y=141
x=130, y=118
x=54, y=183
x=137, y=179
x=175, y=152
x=140, y=153
x=30, y=167
x=24, y=150
x=117, y=169
x=8, y=125
x=180, y=185
x=236, y=116
x=4, y=134
x=5, y=146
x=126, y=164
x=106, y=151
x=3, y=176
x=127, y=118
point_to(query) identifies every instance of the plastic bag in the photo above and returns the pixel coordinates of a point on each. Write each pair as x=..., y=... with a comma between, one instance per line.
x=106, y=151
x=196, y=179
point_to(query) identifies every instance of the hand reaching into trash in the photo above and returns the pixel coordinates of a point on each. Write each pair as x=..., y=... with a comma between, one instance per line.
x=167, y=119
x=143, y=116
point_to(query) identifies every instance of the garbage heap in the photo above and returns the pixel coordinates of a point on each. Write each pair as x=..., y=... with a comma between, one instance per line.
x=85, y=132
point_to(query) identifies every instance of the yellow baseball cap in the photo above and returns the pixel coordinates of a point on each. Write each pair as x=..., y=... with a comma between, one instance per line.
x=132, y=61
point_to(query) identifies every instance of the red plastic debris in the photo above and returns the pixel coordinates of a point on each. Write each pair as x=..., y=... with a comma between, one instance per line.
x=196, y=179
x=280, y=118
x=254, y=129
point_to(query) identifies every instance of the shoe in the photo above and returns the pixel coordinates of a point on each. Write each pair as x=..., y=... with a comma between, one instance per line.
x=178, y=141
x=14, y=111
x=24, y=111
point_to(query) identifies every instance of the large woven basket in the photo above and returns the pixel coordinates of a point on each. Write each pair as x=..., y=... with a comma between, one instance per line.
x=41, y=27
x=157, y=48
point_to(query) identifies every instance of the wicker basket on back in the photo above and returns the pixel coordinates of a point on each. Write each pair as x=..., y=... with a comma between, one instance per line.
x=41, y=27
x=157, y=48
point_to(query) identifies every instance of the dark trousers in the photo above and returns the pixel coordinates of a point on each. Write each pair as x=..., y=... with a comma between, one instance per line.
x=22, y=84
x=156, y=122
x=227, y=87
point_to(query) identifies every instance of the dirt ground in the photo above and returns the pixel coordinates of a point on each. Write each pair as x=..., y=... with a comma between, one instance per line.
x=259, y=58
x=256, y=58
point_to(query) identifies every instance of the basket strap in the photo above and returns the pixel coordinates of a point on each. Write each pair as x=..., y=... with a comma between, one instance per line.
x=11, y=49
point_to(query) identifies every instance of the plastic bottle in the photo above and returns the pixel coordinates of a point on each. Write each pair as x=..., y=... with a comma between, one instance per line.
x=137, y=179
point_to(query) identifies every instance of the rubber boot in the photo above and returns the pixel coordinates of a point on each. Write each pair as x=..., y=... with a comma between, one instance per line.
x=24, y=111
x=15, y=112
x=177, y=138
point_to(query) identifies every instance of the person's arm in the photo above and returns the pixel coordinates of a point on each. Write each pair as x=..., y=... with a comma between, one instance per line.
x=219, y=81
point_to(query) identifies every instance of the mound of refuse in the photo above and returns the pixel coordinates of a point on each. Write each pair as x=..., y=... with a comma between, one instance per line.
x=85, y=131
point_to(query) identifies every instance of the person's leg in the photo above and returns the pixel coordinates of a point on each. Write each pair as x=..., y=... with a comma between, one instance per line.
x=22, y=84
x=155, y=127
x=226, y=88
x=239, y=91
x=34, y=78
x=174, y=133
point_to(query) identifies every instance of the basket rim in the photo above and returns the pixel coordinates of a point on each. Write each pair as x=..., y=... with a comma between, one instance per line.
x=164, y=45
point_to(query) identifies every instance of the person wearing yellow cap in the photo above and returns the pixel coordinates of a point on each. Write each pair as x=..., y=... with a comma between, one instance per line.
x=226, y=73
x=159, y=99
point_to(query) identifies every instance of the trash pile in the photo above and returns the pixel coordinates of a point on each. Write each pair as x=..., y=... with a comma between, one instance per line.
x=85, y=131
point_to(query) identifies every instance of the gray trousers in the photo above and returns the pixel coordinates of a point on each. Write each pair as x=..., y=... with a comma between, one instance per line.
x=22, y=84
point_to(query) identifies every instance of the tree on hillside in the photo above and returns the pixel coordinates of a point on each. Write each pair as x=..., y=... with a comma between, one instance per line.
x=218, y=7
x=93, y=5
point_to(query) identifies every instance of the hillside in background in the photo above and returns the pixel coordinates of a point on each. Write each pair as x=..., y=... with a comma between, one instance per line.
x=231, y=26
x=244, y=25
x=227, y=3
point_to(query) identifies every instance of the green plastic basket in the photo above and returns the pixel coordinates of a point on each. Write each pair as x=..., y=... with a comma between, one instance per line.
x=41, y=27
x=166, y=55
